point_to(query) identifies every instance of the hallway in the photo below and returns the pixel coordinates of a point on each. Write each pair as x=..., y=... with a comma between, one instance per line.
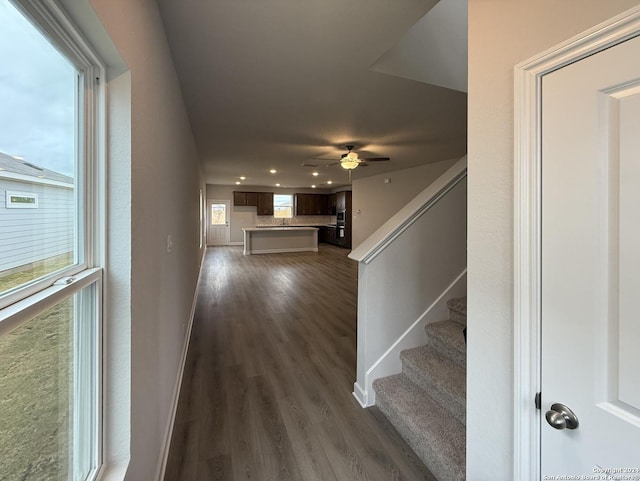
x=266, y=393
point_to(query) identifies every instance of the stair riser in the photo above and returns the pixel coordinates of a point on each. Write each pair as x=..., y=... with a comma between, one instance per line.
x=458, y=317
x=458, y=310
x=460, y=358
x=452, y=403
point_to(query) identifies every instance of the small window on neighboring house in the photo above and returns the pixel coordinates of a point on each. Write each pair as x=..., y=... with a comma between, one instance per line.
x=283, y=206
x=21, y=200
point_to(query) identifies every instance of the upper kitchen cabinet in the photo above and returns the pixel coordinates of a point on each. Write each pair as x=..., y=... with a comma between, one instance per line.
x=245, y=198
x=332, y=204
x=343, y=200
x=311, y=204
x=265, y=203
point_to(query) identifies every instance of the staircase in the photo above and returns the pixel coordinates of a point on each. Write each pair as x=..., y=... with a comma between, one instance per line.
x=426, y=403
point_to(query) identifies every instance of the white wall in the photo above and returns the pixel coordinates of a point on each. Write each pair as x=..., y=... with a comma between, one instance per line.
x=246, y=216
x=501, y=35
x=374, y=202
x=408, y=283
x=154, y=181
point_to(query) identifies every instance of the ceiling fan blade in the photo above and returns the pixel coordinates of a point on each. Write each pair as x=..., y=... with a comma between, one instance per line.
x=376, y=159
x=315, y=165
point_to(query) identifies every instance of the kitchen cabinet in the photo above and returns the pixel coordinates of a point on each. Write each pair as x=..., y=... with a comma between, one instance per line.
x=327, y=234
x=332, y=204
x=265, y=203
x=245, y=198
x=311, y=204
x=343, y=200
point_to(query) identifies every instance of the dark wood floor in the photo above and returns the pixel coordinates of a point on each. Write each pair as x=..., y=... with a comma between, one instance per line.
x=266, y=393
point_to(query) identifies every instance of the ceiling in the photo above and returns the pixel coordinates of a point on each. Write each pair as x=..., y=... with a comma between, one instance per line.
x=271, y=84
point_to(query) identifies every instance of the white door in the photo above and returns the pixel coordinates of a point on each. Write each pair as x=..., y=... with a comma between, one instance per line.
x=219, y=231
x=591, y=265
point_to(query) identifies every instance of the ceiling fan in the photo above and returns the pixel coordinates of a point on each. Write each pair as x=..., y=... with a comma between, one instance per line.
x=348, y=161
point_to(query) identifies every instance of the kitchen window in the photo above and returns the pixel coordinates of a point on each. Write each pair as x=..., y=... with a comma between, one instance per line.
x=283, y=206
x=51, y=247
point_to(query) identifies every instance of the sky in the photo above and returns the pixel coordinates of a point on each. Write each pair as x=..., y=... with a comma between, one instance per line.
x=37, y=96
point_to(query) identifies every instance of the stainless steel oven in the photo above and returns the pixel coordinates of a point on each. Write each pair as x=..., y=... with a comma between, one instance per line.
x=340, y=216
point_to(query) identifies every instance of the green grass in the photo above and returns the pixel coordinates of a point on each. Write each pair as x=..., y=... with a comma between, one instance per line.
x=36, y=381
x=29, y=272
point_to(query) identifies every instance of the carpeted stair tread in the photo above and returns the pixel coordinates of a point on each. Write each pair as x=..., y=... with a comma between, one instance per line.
x=458, y=309
x=442, y=379
x=446, y=337
x=435, y=436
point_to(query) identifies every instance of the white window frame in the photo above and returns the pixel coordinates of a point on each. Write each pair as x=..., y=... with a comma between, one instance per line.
x=274, y=206
x=22, y=304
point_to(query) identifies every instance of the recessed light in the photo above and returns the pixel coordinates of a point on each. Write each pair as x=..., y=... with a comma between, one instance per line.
x=277, y=185
x=237, y=183
x=313, y=186
x=242, y=177
x=329, y=182
x=315, y=174
x=273, y=171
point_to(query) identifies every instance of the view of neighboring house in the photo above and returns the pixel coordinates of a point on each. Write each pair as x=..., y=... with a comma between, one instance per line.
x=37, y=207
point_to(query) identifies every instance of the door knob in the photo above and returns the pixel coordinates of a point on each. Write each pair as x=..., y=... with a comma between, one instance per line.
x=561, y=417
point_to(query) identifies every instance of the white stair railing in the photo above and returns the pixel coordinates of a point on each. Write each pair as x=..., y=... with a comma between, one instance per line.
x=408, y=269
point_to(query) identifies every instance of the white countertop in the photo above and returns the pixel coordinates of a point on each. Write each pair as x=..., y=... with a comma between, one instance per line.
x=267, y=226
x=255, y=229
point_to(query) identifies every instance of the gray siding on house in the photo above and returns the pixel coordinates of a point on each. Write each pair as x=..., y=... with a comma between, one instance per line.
x=33, y=234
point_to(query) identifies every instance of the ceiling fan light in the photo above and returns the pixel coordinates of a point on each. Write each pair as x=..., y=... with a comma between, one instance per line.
x=349, y=164
x=352, y=156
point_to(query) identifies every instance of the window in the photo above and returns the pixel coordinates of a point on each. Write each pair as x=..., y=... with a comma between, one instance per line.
x=50, y=254
x=218, y=214
x=21, y=200
x=283, y=206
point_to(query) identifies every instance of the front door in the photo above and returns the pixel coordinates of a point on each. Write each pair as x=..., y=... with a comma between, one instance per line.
x=219, y=232
x=590, y=251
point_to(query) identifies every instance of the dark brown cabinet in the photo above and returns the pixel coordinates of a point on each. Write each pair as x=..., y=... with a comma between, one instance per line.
x=265, y=203
x=331, y=204
x=311, y=204
x=327, y=235
x=344, y=219
x=245, y=198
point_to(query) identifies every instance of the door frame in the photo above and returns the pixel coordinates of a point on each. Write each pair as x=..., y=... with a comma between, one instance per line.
x=527, y=225
x=228, y=212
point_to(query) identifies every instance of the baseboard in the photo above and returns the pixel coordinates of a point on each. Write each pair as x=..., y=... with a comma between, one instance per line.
x=360, y=395
x=389, y=363
x=281, y=251
x=236, y=243
x=166, y=444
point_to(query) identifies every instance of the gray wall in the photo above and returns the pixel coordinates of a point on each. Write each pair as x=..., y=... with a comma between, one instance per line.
x=374, y=201
x=34, y=234
x=154, y=180
x=501, y=35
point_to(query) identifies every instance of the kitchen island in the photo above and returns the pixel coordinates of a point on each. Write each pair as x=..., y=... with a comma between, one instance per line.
x=268, y=240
